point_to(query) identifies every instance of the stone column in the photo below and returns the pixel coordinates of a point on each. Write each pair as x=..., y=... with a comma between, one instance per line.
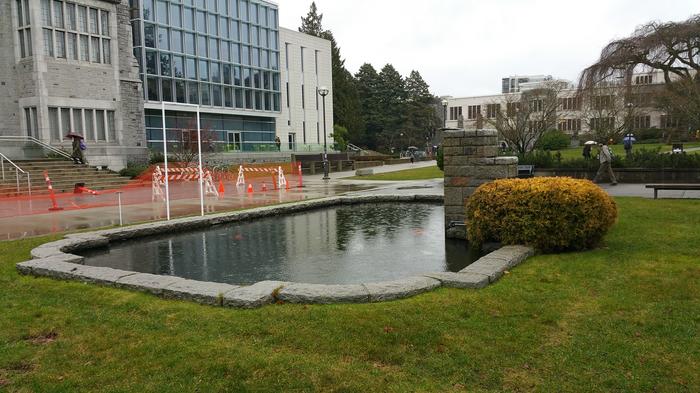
x=471, y=159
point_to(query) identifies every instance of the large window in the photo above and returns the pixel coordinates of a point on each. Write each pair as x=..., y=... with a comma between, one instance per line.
x=473, y=112
x=75, y=32
x=94, y=124
x=31, y=122
x=570, y=125
x=493, y=110
x=24, y=33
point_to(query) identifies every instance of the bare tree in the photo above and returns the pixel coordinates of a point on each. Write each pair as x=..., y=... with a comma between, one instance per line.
x=527, y=115
x=609, y=110
x=673, y=48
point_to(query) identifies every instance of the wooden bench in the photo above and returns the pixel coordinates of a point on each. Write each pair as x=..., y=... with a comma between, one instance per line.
x=682, y=187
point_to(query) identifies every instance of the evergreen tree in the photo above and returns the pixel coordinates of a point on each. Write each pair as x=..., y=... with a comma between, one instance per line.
x=421, y=119
x=392, y=99
x=312, y=24
x=368, y=85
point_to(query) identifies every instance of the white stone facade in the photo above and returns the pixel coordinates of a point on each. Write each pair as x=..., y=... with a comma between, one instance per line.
x=303, y=120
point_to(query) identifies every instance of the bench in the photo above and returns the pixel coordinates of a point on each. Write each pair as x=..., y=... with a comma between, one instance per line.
x=526, y=171
x=683, y=187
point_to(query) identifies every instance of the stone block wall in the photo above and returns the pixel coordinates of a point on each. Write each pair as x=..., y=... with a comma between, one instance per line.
x=471, y=159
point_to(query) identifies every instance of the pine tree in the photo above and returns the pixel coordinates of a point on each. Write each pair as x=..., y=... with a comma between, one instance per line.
x=368, y=85
x=392, y=99
x=421, y=118
x=312, y=24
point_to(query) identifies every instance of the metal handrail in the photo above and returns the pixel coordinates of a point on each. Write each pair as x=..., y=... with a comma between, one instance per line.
x=4, y=158
x=27, y=138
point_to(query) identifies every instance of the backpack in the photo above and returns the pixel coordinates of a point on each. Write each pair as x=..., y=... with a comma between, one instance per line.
x=628, y=144
x=82, y=145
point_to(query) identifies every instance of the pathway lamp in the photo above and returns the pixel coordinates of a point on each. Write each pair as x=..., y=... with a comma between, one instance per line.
x=444, y=113
x=323, y=92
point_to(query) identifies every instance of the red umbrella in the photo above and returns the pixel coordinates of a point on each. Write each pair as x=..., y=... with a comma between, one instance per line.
x=74, y=135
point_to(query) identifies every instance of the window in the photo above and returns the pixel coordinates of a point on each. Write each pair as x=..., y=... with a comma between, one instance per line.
x=570, y=103
x=536, y=105
x=31, y=126
x=670, y=122
x=63, y=21
x=570, y=125
x=641, y=122
x=302, y=59
x=512, y=109
x=455, y=112
x=492, y=110
x=602, y=102
x=643, y=79
x=23, y=30
x=602, y=123
x=473, y=112
x=303, y=104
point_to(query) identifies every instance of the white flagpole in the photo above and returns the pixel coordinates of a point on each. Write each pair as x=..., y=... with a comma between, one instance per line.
x=201, y=172
x=165, y=163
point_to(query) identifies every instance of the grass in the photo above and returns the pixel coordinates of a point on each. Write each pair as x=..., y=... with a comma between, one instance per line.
x=620, y=318
x=423, y=173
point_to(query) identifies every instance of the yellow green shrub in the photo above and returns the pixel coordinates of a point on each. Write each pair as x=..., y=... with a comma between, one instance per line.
x=548, y=213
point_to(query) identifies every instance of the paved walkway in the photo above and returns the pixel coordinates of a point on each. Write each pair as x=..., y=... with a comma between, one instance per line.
x=21, y=218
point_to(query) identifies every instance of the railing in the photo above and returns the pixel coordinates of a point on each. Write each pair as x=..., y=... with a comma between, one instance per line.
x=354, y=148
x=32, y=140
x=18, y=170
x=239, y=147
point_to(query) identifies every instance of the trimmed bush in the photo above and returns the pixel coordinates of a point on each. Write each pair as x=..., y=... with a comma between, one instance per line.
x=548, y=213
x=553, y=140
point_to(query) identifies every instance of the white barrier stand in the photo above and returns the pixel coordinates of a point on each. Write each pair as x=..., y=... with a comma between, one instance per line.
x=209, y=188
x=241, y=177
x=156, y=185
x=281, y=180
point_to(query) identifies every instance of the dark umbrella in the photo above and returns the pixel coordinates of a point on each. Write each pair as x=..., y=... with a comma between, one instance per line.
x=74, y=135
x=630, y=138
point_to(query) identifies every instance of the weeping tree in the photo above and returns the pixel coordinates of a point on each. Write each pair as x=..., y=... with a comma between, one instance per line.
x=671, y=49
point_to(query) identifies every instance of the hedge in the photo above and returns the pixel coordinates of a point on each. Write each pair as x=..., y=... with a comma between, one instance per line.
x=548, y=213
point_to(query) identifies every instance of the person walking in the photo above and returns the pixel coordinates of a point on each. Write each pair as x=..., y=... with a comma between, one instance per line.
x=605, y=164
x=587, y=152
x=278, y=142
x=627, y=142
x=78, y=146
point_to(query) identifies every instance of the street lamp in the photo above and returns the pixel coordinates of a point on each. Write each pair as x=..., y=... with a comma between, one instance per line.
x=444, y=113
x=323, y=92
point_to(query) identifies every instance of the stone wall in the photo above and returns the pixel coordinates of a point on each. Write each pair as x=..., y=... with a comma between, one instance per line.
x=471, y=159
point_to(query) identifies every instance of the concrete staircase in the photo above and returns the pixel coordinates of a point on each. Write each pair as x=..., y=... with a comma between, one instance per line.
x=63, y=173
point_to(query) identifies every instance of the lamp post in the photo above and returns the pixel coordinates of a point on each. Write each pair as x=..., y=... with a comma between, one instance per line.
x=323, y=92
x=444, y=113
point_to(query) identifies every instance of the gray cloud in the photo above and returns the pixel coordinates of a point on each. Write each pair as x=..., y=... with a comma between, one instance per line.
x=465, y=47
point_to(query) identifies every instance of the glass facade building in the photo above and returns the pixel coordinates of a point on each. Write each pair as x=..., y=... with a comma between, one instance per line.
x=220, y=54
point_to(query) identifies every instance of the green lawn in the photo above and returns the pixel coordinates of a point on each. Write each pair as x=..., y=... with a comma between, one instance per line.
x=428, y=172
x=624, y=317
x=576, y=152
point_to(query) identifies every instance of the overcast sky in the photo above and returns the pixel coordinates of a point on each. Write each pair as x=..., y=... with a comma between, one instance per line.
x=465, y=47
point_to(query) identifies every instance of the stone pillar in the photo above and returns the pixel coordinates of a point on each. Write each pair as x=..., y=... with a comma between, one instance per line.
x=471, y=159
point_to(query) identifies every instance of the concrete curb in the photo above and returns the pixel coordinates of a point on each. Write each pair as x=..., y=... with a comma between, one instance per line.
x=56, y=261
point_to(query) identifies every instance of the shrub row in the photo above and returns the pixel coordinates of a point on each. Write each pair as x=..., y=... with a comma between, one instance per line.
x=640, y=158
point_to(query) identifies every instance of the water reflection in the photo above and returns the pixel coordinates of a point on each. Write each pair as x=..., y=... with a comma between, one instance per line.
x=349, y=244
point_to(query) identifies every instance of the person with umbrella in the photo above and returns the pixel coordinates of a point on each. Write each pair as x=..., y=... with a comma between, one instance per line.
x=587, y=149
x=78, y=147
x=627, y=141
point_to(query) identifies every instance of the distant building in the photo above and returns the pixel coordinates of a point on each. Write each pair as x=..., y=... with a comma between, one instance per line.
x=571, y=111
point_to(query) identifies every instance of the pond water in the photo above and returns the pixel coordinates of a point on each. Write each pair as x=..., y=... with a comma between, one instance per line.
x=339, y=245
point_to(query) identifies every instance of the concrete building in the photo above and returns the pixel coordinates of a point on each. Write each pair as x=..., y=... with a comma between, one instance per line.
x=68, y=66
x=573, y=115
x=105, y=68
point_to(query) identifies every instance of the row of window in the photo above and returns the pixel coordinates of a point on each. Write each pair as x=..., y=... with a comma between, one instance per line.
x=168, y=65
x=570, y=125
x=93, y=124
x=169, y=90
x=168, y=12
x=76, y=32
x=208, y=47
x=225, y=28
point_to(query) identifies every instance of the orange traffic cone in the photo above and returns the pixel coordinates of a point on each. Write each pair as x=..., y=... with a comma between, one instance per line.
x=250, y=188
x=264, y=187
x=221, y=187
